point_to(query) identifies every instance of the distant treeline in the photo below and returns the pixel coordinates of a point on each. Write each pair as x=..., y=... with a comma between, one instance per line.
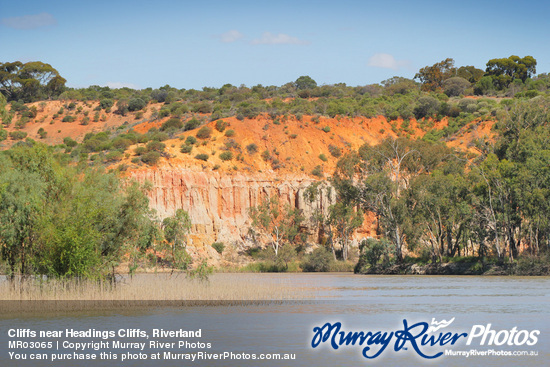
x=427, y=95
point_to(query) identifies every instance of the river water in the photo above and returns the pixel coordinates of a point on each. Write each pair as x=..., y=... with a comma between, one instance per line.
x=359, y=302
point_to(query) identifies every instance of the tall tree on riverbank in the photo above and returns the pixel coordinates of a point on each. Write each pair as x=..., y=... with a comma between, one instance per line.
x=281, y=225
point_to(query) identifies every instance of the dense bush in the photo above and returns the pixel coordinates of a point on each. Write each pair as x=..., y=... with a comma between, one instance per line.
x=173, y=123
x=68, y=141
x=136, y=104
x=204, y=132
x=155, y=146
x=221, y=125
x=317, y=171
x=202, y=156
x=151, y=157
x=252, y=148
x=320, y=260
x=70, y=221
x=17, y=135
x=455, y=86
x=190, y=140
x=335, y=151
x=219, y=247
x=106, y=103
x=184, y=148
x=192, y=124
x=226, y=156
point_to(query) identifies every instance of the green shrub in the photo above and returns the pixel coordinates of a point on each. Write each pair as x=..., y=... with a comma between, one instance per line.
x=104, y=103
x=18, y=135
x=221, y=125
x=68, y=118
x=155, y=146
x=140, y=150
x=219, y=247
x=232, y=144
x=202, y=156
x=136, y=104
x=317, y=171
x=121, y=143
x=320, y=260
x=164, y=112
x=68, y=141
x=335, y=151
x=226, y=156
x=326, y=129
x=374, y=252
x=323, y=157
x=151, y=158
x=192, y=124
x=252, y=148
x=186, y=148
x=204, y=132
x=174, y=123
x=190, y=140
x=41, y=132
x=113, y=156
x=229, y=133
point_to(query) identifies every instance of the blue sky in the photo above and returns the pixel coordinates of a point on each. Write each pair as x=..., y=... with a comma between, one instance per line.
x=192, y=44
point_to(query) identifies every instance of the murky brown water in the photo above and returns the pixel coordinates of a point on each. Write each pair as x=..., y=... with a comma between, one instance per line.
x=360, y=303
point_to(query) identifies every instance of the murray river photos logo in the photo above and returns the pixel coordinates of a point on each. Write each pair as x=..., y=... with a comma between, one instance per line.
x=423, y=338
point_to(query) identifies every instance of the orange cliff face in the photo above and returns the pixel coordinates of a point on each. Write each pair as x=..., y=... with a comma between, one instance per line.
x=217, y=193
x=219, y=204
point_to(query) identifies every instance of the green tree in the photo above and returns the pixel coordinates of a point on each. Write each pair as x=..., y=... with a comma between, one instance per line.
x=379, y=177
x=305, y=82
x=455, y=86
x=399, y=85
x=5, y=116
x=281, y=225
x=30, y=81
x=443, y=211
x=345, y=219
x=470, y=73
x=59, y=221
x=505, y=70
x=426, y=106
x=176, y=229
x=433, y=76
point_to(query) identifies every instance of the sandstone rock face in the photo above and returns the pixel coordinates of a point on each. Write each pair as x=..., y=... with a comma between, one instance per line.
x=219, y=203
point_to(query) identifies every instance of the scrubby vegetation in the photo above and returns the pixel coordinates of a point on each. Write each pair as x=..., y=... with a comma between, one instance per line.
x=430, y=201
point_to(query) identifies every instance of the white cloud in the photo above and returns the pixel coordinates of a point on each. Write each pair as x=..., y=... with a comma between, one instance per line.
x=30, y=21
x=387, y=61
x=269, y=38
x=231, y=36
x=116, y=85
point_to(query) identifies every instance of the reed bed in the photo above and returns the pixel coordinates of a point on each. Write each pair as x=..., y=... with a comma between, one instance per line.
x=154, y=287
